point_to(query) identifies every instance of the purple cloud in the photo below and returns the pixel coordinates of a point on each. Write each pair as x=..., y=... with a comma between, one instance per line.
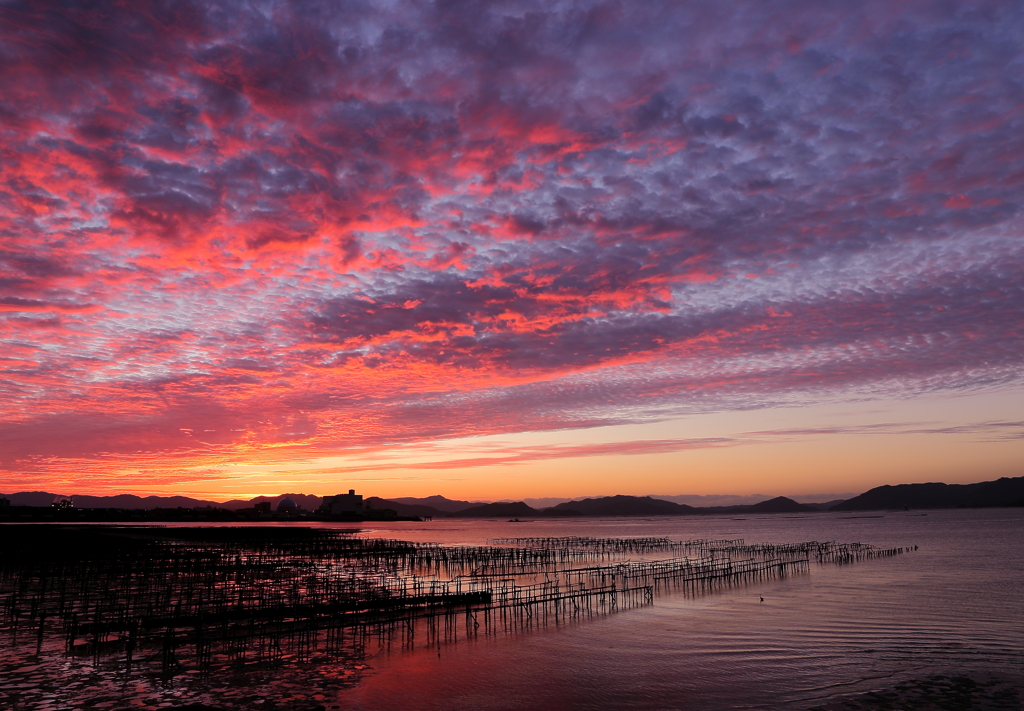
x=336, y=225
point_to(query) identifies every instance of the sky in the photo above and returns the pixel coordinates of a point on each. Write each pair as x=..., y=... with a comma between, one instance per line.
x=499, y=250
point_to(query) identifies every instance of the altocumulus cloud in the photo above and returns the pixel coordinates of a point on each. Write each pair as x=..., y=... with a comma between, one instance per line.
x=227, y=227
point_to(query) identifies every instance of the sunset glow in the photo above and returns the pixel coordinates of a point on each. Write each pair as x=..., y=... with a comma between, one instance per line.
x=503, y=250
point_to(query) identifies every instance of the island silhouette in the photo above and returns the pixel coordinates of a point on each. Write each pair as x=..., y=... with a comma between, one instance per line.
x=38, y=504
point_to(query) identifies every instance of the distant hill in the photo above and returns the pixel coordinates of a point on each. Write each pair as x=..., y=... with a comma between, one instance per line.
x=131, y=502
x=120, y=501
x=623, y=506
x=1002, y=492
x=650, y=506
x=780, y=504
x=545, y=502
x=309, y=502
x=515, y=508
x=403, y=509
x=711, y=501
x=717, y=501
x=438, y=503
x=31, y=498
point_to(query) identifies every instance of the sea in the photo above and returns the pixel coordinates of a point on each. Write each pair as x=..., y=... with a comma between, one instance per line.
x=951, y=605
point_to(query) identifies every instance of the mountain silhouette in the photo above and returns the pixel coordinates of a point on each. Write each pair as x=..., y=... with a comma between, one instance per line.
x=404, y=509
x=624, y=506
x=1002, y=492
x=438, y=503
x=515, y=508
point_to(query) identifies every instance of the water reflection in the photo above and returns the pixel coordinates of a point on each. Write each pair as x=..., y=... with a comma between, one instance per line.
x=816, y=636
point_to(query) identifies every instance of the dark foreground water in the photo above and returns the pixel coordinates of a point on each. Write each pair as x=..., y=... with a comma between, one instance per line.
x=954, y=607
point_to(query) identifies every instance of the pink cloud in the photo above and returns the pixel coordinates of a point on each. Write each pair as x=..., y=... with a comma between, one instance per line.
x=329, y=227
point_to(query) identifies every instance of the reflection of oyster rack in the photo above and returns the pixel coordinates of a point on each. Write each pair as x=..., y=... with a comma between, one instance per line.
x=202, y=597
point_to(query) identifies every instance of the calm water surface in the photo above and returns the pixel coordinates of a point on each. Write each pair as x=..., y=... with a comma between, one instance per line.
x=954, y=605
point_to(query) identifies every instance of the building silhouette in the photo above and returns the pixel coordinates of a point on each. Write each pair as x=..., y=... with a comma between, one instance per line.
x=343, y=504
